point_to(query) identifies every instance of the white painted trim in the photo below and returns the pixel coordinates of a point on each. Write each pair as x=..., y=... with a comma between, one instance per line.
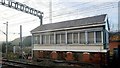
x=94, y=37
x=54, y=38
x=60, y=38
x=66, y=37
x=103, y=51
x=78, y=37
x=35, y=34
x=102, y=36
x=49, y=38
x=107, y=25
x=86, y=37
x=82, y=30
x=77, y=48
x=69, y=28
x=97, y=44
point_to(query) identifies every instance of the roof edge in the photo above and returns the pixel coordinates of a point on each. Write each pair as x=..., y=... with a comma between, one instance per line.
x=69, y=28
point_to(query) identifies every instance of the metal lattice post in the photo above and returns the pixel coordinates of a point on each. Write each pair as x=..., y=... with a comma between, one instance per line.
x=21, y=44
x=23, y=8
x=6, y=39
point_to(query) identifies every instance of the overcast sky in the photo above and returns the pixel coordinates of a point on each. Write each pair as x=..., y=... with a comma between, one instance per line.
x=61, y=10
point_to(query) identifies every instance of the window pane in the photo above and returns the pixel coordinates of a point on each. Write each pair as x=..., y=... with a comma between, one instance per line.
x=69, y=38
x=43, y=39
x=51, y=38
x=90, y=37
x=98, y=37
x=37, y=39
x=82, y=38
x=57, y=38
x=47, y=39
x=75, y=37
x=63, y=38
x=34, y=40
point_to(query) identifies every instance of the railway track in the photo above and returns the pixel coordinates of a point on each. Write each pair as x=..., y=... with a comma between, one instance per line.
x=19, y=64
x=47, y=64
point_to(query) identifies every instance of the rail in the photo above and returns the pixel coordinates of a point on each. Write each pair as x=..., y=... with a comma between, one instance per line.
x=48, y=64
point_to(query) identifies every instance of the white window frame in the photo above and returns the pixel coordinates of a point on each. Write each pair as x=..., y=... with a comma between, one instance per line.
x=54, y=38
x=60, y=38
x=94, y=37
x=49, y=39
x=78, y=37
x=66, y=36
x=102, y=36
x=86, y=37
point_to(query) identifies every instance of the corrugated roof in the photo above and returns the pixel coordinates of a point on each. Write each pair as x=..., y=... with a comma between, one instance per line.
x=72, y=23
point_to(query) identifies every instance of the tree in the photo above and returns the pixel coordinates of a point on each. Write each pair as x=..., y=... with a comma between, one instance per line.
x=9, y=47
x=3, y=47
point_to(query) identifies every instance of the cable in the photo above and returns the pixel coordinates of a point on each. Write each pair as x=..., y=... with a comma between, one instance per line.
x=85, y=12
x=59, y=17
x=88, y=8
x=65, y=14
x=91, y=11
x=23, y=22
x=15, y=16
x=14, y=24
x=70, y=7
x=83, y=9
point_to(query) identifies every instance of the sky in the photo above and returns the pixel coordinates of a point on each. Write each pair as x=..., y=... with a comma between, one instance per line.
x=61, y=10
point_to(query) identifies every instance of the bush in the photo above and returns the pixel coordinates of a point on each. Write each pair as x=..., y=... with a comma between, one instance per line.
x=12, y=56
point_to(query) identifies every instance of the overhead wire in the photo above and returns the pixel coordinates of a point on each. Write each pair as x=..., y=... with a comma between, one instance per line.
x=66, y=8
x=28, y=21
x=75, y=11
x=91, y=11
x=66, y=13
x=72, y=13
x=79, y=13
x=84, y=9
x=15, y=14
